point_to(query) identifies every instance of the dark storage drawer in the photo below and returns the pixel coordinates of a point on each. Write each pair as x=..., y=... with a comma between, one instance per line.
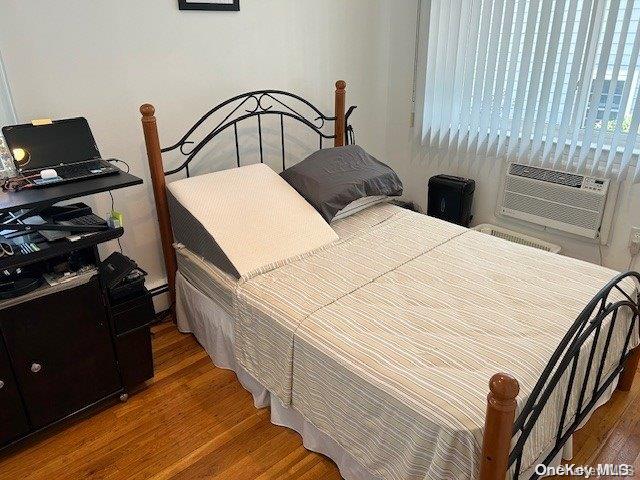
x=13, y=420
x=135, y=356
x=61, y=350
x=133, y=313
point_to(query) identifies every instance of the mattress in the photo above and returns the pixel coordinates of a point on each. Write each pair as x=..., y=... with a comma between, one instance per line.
x=385, y=340
x=220, y=286
x=206, y=277
x=213, y=327
x=409, y=355
x=272, y=305
x=269, y=305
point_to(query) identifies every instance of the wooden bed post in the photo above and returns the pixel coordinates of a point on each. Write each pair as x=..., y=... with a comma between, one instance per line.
x=629, y=372
x=154, y=155
x=340, y=126
x=498, y=427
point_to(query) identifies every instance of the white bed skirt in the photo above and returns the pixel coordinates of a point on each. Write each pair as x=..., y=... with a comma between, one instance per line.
x=213, y=328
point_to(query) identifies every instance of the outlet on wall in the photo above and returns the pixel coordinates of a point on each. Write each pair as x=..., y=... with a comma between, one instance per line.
x=634, y=241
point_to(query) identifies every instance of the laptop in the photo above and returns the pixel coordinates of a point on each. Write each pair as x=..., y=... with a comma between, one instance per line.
x=66, y=146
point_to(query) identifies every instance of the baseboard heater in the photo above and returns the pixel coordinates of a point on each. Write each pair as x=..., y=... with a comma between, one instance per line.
x=563, y=201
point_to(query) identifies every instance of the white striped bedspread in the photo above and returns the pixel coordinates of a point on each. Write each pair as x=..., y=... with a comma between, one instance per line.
x=386, y=339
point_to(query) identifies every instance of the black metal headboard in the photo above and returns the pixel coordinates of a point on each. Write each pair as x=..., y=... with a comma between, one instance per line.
x=232, y=112
x=259, y=103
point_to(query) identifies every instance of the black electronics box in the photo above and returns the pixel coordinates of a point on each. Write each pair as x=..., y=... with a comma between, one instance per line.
x=122, y=277
x=450, y=198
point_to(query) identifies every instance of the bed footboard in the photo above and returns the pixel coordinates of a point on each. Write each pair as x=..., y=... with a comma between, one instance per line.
x=502, y=431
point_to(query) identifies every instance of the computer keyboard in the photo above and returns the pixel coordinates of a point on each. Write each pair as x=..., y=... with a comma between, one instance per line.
x=78, y=170
x=85, y=220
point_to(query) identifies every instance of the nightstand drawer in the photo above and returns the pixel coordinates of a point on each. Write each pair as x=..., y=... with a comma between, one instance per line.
x=133, y=314
x=135, y=356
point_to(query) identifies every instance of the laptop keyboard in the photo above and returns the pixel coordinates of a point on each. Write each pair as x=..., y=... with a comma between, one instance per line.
x=85, y=220
x=80, y=169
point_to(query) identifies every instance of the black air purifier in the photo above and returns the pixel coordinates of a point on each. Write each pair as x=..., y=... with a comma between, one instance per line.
x=450, y=198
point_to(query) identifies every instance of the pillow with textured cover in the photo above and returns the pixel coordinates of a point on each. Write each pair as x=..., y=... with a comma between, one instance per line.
x=333, y=178
x=244, y=219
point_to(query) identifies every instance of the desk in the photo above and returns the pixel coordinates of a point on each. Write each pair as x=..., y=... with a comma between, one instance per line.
x=34, y=197
x=68, y=347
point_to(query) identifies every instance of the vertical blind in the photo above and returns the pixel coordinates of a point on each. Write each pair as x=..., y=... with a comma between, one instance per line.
x=543, y=82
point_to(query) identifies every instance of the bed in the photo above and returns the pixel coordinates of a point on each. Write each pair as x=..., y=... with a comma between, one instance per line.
x=379, y=346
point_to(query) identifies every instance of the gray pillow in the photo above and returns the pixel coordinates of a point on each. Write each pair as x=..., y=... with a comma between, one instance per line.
x=332, y=178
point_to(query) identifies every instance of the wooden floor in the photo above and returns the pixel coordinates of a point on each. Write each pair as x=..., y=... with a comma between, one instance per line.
x=194, y=420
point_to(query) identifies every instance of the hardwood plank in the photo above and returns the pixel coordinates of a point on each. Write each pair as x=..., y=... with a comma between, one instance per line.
x=611, y=435
x=193, y=420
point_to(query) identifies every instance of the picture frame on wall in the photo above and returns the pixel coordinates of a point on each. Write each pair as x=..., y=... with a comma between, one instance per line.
x=222, y=5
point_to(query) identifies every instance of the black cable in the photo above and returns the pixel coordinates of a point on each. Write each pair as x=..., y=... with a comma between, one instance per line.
x=111, y=195
x=120, y=161
x=164, y=315
x=112, y=207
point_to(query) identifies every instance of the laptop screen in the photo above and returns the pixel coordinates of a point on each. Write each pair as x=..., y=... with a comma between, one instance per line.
x=47, y=146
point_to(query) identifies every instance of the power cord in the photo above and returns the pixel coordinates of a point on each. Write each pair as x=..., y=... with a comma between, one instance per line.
x=112, y=208
x=111, y=194
x=17, y=183
x=120, y=161
x=600, y=251
x=164, y=315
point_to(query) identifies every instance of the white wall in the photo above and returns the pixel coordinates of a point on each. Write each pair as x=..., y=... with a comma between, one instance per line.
x=402, y=39
x=102, y=59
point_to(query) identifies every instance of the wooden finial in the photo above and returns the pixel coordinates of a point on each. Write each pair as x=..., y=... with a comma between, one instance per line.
x=340, y=123
x=503, y=388
x=498, y=428
x=147, y=110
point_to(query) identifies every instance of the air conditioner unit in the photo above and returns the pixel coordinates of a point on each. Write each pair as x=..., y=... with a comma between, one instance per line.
x=564, y=201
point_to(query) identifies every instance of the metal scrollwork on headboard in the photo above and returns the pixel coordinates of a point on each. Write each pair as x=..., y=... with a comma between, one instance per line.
x=259, y=103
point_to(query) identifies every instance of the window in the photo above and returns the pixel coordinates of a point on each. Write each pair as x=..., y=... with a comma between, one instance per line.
x=7, y=114
x=7, y=117
x=614, y=110
x=552, y=82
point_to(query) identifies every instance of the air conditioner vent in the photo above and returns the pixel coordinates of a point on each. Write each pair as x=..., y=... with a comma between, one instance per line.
x=549, y=191
x=517, y=237
x=552, y=176
x=553, y=211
